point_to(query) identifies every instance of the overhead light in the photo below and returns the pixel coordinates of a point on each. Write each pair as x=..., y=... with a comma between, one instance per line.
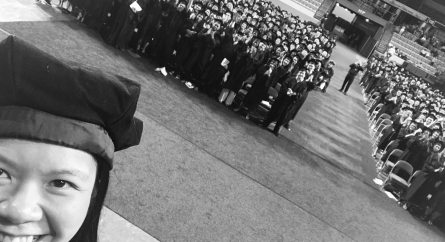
x=367, y=20
x=337, y=4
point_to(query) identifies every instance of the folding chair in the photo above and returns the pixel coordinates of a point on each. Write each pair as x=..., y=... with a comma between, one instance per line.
x=379, y=120
x=265, y=105
x=278, y=87
x=378, y=131
x=372, y=99
x=389, y=163
x=397, y=180
x=243, y=91
x=380, y=135
x=375, y=111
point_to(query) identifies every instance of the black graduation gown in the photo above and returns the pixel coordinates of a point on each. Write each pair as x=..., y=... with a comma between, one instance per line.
x=150, y=24
x=123, y=28
x=239, y=72
x=388, y=136
x=283, y=74
x=98, y=13
x=299, y=103
x=113, y=20
x=201, y=54
x=283, y=104
x=215, y=72
x=421, y=187
x=185, y=46
x=167, y=35
x=80, y=4
x=416, y=154
x=259, y=89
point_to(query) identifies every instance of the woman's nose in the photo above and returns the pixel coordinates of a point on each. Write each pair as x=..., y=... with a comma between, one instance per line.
x=22, y=206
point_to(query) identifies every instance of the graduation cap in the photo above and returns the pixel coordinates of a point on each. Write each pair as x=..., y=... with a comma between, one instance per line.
x=438, y=142
x=287, y=57
x=218, y=20
x=431, y=115
x=407, y=108
x=294, y=53
x=312, y=61
x=273, y=59
x=48, y=100
x=425, y=111
x=182, y=2
x=216, y=12
x=198, y=4
x=426, y=129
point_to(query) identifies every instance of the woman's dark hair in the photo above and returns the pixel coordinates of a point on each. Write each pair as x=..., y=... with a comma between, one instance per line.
x=89, y=228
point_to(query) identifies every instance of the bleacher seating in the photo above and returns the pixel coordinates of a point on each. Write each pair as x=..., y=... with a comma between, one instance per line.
x=312, y=5
x=412, y=50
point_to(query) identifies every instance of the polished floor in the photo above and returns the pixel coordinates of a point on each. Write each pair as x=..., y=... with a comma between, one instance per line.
x=204, y=173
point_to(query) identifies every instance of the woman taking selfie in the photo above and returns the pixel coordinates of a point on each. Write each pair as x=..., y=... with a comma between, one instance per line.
x=59, y=127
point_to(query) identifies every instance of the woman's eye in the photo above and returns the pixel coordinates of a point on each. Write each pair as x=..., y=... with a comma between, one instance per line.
x=62, y=184
x=3, y=174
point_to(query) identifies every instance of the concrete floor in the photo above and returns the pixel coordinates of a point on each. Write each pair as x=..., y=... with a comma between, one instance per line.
x=204, y=173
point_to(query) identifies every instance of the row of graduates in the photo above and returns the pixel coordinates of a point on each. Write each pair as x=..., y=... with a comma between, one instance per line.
x=417, y=113
x=202, y=33
x=216, y=46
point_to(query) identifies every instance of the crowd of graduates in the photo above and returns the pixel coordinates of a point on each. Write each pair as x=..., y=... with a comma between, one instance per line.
x=417, y=112
x=214, y=46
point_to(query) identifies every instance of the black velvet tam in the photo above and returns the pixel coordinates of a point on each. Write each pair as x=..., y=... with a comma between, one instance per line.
x=45, y=99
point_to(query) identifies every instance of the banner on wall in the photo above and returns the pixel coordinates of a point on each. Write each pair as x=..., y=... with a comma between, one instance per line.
x=343, y=13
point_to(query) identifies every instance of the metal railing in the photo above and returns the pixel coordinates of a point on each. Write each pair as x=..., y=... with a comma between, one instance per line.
x=371, y=7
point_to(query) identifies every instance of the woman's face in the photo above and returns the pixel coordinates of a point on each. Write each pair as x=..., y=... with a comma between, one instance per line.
x=197, y=8
x=216, y=26
x=437, y=147
x=199, y=17
x=286, y=61
x=45, y=190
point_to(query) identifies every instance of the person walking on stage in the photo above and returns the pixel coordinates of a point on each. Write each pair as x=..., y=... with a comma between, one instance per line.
x=353, y=71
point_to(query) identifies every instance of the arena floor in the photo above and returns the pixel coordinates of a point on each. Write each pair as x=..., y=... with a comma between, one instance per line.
x=204, y=173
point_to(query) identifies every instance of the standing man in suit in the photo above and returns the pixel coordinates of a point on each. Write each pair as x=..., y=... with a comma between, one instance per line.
x=353, y=71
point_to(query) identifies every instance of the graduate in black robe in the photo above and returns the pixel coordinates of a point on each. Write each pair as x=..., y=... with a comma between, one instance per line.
x=123, y=28
x=208, y=39
x=227, y=51
x=113, y=17
x=416, y=152
x=422, y=186
x=167, y=35
x=239, y=72
x=297, y=105
x=260, y=87
x=290, y=92
x=150, y=24
x=187, y=40
x=284, y=70
x=97, y=13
